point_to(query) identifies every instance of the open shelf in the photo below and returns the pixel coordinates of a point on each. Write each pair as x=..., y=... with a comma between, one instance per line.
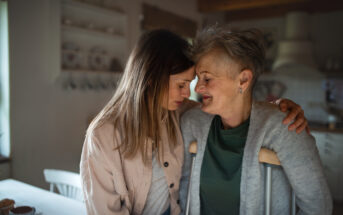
x=85, y=71
x=88, y=27
x=92, y=32
x=95, y=8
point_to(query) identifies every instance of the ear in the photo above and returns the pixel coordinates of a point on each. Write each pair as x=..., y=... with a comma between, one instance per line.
x=245, y=79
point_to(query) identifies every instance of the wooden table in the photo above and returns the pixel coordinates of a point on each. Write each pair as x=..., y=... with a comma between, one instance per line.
x=45, y=202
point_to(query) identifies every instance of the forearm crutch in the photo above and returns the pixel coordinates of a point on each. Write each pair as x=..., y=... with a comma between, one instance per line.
x=270, y=160
x=193, y=151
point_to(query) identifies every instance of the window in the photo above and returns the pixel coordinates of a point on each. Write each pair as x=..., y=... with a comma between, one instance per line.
x=4, y=82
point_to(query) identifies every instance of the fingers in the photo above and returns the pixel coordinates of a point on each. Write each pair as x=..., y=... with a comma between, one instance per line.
x=283, y=106
x=302, y=127
x=293, y=114
x=299, y=124
x=299, y=120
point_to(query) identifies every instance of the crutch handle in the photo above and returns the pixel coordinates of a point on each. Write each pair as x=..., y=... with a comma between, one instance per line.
x=268, y=156
x=193, y=147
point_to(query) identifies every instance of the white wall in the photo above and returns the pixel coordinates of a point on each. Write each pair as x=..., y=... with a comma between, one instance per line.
x=48, y=123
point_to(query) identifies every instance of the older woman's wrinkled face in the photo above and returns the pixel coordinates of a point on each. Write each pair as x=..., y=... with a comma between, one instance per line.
x=218, y=81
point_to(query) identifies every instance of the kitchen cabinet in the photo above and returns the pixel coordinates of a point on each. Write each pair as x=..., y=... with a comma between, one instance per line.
x=330, y=147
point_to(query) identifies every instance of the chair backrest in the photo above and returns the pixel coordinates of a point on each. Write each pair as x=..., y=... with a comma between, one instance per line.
x=68, y=183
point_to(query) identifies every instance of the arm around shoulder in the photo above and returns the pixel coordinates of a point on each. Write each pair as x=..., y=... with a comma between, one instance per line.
x=300, y=160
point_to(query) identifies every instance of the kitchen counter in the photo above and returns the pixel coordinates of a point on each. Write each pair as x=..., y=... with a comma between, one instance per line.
x=325, y=129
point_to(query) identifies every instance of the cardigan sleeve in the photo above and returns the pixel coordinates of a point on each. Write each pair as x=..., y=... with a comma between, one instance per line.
x=187, y=136
x=300, y=160
x=100, y=193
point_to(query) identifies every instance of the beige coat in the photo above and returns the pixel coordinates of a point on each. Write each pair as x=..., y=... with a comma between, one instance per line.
x=115, y=185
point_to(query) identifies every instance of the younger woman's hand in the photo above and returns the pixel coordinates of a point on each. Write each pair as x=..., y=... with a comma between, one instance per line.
x=296, y=113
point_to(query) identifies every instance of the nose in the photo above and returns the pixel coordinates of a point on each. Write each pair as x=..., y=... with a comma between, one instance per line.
x=186, y=92
x=199, y=88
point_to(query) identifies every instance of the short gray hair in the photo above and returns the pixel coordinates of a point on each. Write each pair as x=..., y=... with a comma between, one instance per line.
x=246, y=47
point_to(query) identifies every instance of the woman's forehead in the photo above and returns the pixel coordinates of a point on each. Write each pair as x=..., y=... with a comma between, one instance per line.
x=187, y=75
x=212, y=58
x=216, y=63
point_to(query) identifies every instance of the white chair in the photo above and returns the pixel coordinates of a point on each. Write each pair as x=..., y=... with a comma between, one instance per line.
x=68, y=183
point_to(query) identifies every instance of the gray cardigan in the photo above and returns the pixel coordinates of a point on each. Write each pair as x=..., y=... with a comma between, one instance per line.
x=301, y=166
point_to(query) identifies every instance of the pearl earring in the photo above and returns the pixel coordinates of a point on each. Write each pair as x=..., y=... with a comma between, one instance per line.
x=240, y=90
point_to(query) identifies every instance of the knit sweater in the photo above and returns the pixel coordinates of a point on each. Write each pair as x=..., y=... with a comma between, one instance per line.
x=301, y=165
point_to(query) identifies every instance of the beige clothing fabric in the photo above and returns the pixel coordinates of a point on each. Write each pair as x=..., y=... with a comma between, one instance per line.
x=114, y=185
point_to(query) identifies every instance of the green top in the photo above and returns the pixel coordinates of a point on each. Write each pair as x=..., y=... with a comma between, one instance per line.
x=221, y=168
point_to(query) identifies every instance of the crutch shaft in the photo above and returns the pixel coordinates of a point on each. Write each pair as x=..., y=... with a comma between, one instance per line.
x=268, y=192
x=270, y=160
x=189, y=185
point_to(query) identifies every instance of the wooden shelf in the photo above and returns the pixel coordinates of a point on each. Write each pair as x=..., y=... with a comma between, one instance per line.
x=95, y=8
x=91, y=71
x=333, y=73
x=92, y=32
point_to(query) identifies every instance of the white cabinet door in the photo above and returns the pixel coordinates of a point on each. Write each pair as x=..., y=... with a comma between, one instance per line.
x=330, y=147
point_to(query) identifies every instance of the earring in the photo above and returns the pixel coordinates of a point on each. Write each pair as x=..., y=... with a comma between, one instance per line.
x=240, y=90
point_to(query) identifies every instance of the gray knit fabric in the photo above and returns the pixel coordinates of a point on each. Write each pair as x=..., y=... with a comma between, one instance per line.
x=301, y=166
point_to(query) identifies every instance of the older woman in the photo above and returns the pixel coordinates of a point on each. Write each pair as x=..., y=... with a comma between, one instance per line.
x=231, y=128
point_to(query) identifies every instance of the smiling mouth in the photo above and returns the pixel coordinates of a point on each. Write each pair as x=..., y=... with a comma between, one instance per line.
x=206, y=98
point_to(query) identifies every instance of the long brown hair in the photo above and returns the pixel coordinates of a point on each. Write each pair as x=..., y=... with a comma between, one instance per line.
x=136, y=107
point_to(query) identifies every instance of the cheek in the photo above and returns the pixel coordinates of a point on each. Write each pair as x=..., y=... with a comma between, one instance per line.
x=215, y=90
x=228, y=95
x=220, y=94
x=173, y=94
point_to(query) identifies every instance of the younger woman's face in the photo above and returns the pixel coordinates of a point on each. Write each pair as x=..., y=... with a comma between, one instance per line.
x=178, y=89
